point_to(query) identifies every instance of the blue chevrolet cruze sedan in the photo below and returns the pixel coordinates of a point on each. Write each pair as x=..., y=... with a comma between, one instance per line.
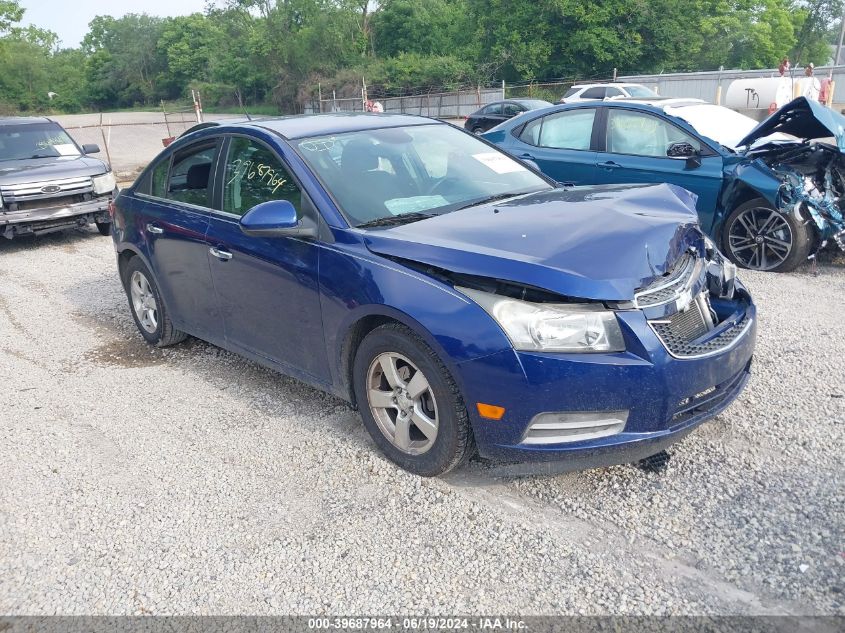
x=461, y=300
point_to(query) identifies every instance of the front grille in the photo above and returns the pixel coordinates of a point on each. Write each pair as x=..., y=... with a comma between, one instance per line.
x=682, y=342
x=58, y=188
x=707, y=400
x=49, y=203
x=669, y=288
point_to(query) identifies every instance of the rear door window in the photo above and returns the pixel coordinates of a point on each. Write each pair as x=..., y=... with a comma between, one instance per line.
x=494, y=108
x=191, y=175
x=571, y=129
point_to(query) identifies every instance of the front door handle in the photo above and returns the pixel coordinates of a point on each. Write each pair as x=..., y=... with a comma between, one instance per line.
x=152, y=228
x=609, y=165
x=220, y=254
x=526, y=156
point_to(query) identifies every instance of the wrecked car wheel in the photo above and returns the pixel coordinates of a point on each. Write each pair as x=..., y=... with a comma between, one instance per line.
x=409, y=402
x=147, y=306
x=758, y=237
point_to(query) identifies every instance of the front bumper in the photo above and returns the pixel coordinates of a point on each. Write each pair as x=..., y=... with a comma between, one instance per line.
x=665, y=397
x=48, y=219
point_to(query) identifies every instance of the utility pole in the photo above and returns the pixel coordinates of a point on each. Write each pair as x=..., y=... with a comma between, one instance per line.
x=839, y=46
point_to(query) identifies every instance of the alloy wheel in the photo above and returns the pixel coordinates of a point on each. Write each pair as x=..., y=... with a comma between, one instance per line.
x=143, y=301
x=760, y=238
x=402, y=403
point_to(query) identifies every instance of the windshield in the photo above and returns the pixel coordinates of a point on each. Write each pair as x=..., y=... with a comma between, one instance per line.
x=723, y=125
x=35, y=140
x=380, y=176
x=641, y=92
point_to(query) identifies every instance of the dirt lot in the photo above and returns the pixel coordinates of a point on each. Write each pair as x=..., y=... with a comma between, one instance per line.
x=191, y=481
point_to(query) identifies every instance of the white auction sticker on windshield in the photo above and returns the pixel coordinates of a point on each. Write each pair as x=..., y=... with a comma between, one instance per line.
x=499, y=163
x=66, y=149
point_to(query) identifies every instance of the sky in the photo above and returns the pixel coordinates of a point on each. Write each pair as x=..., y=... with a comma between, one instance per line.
x=70, y=18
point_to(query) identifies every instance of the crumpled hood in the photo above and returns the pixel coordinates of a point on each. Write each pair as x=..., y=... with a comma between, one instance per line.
x=599, y=243
x=804, y=119
x=38, y=169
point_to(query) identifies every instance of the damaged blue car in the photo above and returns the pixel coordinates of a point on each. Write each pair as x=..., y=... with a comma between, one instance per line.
x=461, y=301
x=770, y=194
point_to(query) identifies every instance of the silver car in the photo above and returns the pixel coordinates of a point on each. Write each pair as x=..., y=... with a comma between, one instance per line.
x=48, y=182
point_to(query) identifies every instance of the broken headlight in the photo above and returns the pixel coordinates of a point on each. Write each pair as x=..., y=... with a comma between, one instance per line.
x=545, y=327
x=104, y=183
x=721, y=272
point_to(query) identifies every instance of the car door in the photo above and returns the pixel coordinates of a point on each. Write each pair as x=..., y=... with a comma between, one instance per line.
x=561, y=145
x=635, y=147
x=491, y=116
x=173, y=216
x=267, y=286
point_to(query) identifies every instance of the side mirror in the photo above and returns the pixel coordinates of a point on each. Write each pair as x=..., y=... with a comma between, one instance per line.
x=276, y=218
x=687, y=151
x=90, y=148
x=680, y=150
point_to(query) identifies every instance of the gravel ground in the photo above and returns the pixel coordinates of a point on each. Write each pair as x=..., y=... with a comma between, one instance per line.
x=190, y=481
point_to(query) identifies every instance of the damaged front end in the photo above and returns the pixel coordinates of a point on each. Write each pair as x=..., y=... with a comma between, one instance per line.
x=812, y=187
x=811, y=171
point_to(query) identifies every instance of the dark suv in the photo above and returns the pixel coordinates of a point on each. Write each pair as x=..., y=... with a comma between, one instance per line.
x=48, y=182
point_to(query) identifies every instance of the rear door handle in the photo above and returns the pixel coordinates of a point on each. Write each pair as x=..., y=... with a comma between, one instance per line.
x=152, y=228
x=220, y=254
x=609, y=165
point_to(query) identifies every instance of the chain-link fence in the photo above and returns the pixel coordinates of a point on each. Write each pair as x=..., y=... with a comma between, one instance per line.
x=128, y=141
x=436, y=103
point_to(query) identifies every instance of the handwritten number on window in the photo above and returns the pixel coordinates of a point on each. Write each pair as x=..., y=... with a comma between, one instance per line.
x=248, y=169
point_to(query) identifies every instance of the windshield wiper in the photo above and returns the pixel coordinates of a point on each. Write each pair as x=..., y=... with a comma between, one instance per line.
x=493, y=198
x=394, y=220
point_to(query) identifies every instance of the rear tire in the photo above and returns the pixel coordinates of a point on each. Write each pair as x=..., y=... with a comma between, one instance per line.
x=104, y=228
x=478, y=131
x=758, y=237
x=147, y=307
x=409, y=402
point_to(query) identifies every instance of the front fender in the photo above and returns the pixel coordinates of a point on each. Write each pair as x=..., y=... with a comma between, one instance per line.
x=743, y=181
x=356, y=284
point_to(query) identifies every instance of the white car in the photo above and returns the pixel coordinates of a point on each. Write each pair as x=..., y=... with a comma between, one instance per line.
x=592, y=92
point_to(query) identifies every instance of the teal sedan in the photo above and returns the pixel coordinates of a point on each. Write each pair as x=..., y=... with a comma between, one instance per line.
x=770, y=194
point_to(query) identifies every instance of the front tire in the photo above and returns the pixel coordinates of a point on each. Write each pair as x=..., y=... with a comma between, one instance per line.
x=758, y=237
x=147, y=306
x=410, y=404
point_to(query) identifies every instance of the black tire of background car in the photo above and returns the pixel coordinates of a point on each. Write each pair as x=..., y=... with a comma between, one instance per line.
x=455, y=443
x=104, y=228
x=165, y=334
x=478, y=131
x=802, y=237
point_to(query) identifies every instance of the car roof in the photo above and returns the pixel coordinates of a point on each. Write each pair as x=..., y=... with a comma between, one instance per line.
x=618, y=84
x=24, y=120
x=308, y=125
x=660, y=102
x=646, y=105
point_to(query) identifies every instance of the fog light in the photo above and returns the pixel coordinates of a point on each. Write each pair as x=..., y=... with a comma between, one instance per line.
x=562, y=427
